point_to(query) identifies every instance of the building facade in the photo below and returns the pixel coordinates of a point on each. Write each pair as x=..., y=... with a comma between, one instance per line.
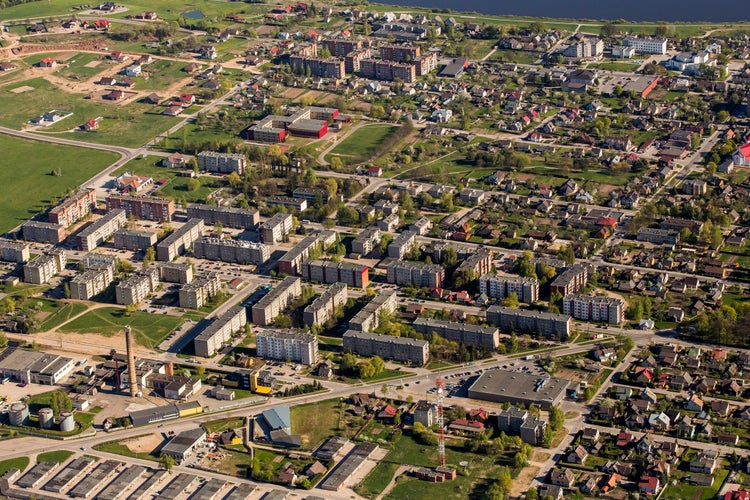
x=276, y=228
x=101, y=229
x=179, y=241
x=291, y=262
x=91, y=282
x=219, y=331
x=274, y=302
x=134, y=240
x=321, y=309
x=40, y=270
x=573, y=280
x=173, y=272
x=197, y=293
x=14, y=251
x=402, y=244
x=369, y=316
x=366, y=241
x=136, y=287
x=294, y=346
x=143, y=207
x=484, y=337
x=534, y=322
x=595, y=308
x=238, y=218
x=326, y=271
x=404, y=349
x=410, y=273
x=43, y=232
x=222, y=163
x=499, y=287
x=73, y=209
x=243, y=252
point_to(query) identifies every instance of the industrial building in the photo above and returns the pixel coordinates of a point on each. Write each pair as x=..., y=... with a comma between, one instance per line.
x=34, y=367
x=404, y=349
x=275, y=301
x=42, y=269
x=71, y=210
x=195, y=294
x=326, y=271
x=402, y=244
x=43, y=232
x=14, y=251
x=290, y=263
x=210, y=340
x=483, y=337
x=175, y=272
x=321, y=309
x=179, y=241
x=103, y=472
x=222, y=163
x=500, y=287
x=136, y=287
x=184, y=444
x=411, y=273
x=297, y=347
x=275, y=229
x=101, y=229
x=91, y=282
x=545, y=324
x=366, y=241
x=345, y=469
x=595, y=308
x=143, y=207
x=243, y=252
x=134, y=240
x=369, y=316
x=238, y=218
x=501, y=386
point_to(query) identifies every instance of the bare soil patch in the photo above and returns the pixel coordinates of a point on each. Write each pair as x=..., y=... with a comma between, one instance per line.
x=21, y=90
x=265, y=30
x=524, y=478
x=293, y=93
x=143, y=444
x=92, y=64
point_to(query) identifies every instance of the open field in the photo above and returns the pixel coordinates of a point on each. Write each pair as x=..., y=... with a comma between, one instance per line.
x=315, y=422
x=59, y=312
x=363, y=142
x=82, y=67
x=224, y=424
x=28, y=194
x=149, y=329
x=122, y=449
x=162, y=73
x=19, y=463
x=58, y=456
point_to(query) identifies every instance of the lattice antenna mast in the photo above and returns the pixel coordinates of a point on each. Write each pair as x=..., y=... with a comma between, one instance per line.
x=441, y=425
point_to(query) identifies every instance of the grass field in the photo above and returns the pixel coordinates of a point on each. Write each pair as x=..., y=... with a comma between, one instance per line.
x=62, y=312
x=316, y=422
x=363, y=142
x=149, y=329
x=19, y=463
x=77, y=70
x=120, y=449
x=224, y=424
x=27, y=194
x=58, y=456
x=161, y=74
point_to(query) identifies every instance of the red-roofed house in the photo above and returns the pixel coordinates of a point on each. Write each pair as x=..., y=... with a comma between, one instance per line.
x=47, y=62
x=92, y=124
x=465, y=425
x=742, y=156
x=374, y=171
x=387, y=413
x=118, y=56
x=478, y=414
x=101, y=24
x=649, y=485
x=187, y=99
x=644, y=375
x=607, y=222
x=737, y=495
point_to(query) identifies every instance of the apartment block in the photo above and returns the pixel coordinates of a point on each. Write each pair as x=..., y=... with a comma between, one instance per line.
x=402, y=244
x=174, y=272
x=479, y=263
x=179, y=241
x=276, y=228
x=353, y=60
x=136, y=287
x=534, y=322
x=14, y=251
x=238, y=218
x=134, y=240
x=295, y=346
x=585, y=49
x=326, y=271
x=595, y=308
x=339, y=47
x=91, y=282
x=243, y=252
x=291, y=262
x=426, y=63
x=318, y=66
x=93, y=259
x=646, y=45
x=410, y=273
x=403, y=349
x=210, y=341
x=43, y=232
x=483, y=337
x=73, y=209
x=298, y=204
x=369, y=316
x=197, y=293
x=366, y=241
x=388, y=70
x=143, y=207
x=101, y=229
x=405, y=53
x=658, y=236
x=499, y=287
x=277, y=300
x=322, y=308
x=572, y=280
x=222, y=163
x=40, y=270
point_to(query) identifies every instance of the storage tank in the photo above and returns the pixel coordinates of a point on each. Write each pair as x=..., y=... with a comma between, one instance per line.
x=18, y=414
x=67, y=423
x=46, y=418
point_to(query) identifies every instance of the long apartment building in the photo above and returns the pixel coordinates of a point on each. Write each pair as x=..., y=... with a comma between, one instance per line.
x=479, y=263
x=143, y=207
x=238, y=218
x=43, y=232
x=93, y=259
x=339, y=47
x=175, y=272
x=132, y=239
x=291, y=262
x=403, y=53
x=595, y=308
x=404, y=349
x=573, y=280
x=321, y=309
x=369, y=316
x=222, y=163
x=499, y=287
x=14, y=251
x=410, y=273
x=402, y=244
x=658, y=236
x=73, y=209
x=366, y=240
x=484, y=337
x=326, y=271
x=544, y=324
x=179, y=241
x=243, y=252
x=101, y=229
x=297, y=347
x=195, y=294
x=353, y=60
x=91, y=282
x=136, y=287
x=40, y=270
x=318, y=66
x=210, y=341
x=276, y=228
x=646, y=45
x=275, y=301
x=388, y=70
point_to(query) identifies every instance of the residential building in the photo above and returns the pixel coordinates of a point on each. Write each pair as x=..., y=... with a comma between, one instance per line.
x=275, y=301
x=500, y=287
x=402, y=244
x=40, y=270
x=243, y=252
x=276, y=228
x=404, y=349
x=595, y=308
x=136, y=287
x=212, y=338
x=222, y=163
x=353, y=60
x=421, y=226
x=585, y=49
x=72, y=209
x=366, y=241
x=313, y=244
x=93, y=259
x=13, y=251
x=293, y=346
x=322, y=308
x=425, y=412
x=238, y=218
x=646, y=45
x=369, y=316
x=403, y=53
x=174, y=272
x=43, y=232
x=131, y=239
x=179, y=241
x=658, y=236
x=91, y=282
x=572, y=280
x=101, y=229
x=483, y=337
x=533, y=322
x=143, y=207
x=297, y=204
x=326, y=271
x=318, y=66
x=410, y=273
x=378, y=69
x=339, y=47
x=478, y=263
x=197, y=293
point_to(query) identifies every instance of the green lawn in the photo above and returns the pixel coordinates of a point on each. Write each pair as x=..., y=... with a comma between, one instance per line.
x=76, y=68
x=386, y=374
x=120, y=449
x=162, y=73
x=19, y=463
x=224, y=424
x=58, y=456
x=61, y=312
x=364, y=141
x=315, y=422
x=27, y=194
x=149, y=329
x=683, y=489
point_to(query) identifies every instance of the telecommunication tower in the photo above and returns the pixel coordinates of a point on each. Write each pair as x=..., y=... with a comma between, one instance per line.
x=439, y=383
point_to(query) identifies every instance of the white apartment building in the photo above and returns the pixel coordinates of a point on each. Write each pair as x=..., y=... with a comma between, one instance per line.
x=295, y=346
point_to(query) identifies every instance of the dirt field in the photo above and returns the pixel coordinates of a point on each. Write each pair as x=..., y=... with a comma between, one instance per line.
x=143, y=444
x=265, y=30
x=292, y=93
x=524, y=478
x=605, y=189
x=21, y=90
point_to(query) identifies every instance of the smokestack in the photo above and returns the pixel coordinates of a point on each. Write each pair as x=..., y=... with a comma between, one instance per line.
x=131, y=362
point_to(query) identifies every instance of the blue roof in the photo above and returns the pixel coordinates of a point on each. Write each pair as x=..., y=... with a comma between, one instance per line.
x=278, y=418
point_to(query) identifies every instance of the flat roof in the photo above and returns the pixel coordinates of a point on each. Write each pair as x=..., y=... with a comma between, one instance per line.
x=68, y=474
x=177, y=486
x=209, y=489
x=184, y=441
x=122, y=482
x=95, y=478
x=36, y=473
x=499, y=385
x=241, y=492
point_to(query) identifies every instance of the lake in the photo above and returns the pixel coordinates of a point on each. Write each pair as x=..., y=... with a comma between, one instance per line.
x=633, y=10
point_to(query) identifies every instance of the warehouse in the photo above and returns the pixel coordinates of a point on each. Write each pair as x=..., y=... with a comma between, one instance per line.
x=501, y=386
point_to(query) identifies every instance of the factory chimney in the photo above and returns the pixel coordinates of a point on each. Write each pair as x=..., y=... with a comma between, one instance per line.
x=131, y=362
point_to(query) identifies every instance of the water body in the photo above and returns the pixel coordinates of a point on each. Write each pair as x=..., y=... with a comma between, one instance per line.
x=632, y=10
x=193, y=14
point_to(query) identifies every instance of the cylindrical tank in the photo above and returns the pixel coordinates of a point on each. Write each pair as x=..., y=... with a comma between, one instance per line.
x=67, y=423
x=18, y=414
x=46, y=418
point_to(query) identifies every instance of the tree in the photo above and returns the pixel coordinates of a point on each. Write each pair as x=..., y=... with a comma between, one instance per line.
x=234, y=180
x=200, y=371
x=66, y=290
x=608, y=30
x=538, y=27
x=556, y=418
x=510, y=301
x=722, y=115
x=337, y=163
x=167, y=462
x=7, y=305
x=532, y=494
x=377, y=363
x=3, y=339
x=193, y=184
x=377, y=111
x=149, y=256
